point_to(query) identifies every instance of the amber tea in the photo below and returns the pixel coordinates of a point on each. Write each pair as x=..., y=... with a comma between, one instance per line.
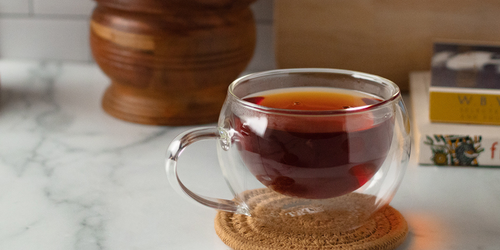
x=312, y=156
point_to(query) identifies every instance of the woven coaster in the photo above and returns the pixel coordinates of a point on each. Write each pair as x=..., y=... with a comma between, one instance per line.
x=273, y=228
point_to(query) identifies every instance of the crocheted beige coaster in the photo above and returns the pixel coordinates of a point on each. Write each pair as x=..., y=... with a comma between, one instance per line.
x=270, y=229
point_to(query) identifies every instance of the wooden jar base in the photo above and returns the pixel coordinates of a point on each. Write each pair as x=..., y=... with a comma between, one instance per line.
x=145, y=107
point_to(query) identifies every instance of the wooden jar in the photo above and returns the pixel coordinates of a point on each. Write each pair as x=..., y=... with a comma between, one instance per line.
x=170, y=61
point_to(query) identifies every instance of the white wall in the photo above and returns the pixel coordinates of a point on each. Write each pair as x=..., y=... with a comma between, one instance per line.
x=58, y=30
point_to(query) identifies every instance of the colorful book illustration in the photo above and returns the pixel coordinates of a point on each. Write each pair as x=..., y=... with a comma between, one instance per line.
x=447, y=144
x=465, y=85
x=454, y=150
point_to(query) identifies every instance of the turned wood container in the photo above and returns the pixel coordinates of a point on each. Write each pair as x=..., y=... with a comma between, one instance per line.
x=170, y=61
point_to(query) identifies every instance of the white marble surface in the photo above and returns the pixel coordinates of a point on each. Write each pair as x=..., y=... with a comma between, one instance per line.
x=72, y=177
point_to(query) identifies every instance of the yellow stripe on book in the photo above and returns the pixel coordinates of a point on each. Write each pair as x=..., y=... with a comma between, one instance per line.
x=464, y=108
x=125, y=39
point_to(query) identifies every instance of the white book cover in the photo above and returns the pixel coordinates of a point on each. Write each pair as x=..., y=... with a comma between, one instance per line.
x=449, y=144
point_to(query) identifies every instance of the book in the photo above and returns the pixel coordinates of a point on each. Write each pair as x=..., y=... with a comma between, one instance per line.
x=465, y=83
x=447, y=144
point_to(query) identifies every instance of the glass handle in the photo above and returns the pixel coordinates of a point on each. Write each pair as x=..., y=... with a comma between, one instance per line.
x=174, y=151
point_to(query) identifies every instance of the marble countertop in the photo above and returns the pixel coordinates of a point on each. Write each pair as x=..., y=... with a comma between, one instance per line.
x=73, y=177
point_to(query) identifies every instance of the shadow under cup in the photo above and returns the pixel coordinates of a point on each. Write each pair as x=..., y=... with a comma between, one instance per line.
x=313, y=154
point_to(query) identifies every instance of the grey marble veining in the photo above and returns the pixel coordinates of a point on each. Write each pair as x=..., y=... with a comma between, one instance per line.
x=69, y=173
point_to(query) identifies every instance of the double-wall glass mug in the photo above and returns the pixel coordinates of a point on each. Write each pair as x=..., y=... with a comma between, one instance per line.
x=322, y=146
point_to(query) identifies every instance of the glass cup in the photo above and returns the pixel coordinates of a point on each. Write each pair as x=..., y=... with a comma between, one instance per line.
x=332, y=168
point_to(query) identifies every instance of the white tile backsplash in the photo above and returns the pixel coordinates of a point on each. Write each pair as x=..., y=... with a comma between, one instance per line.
x=263, y=10
x=46, y=39
x=263, y=58
x=14, y=6
x=63, y=7
x=59, y=30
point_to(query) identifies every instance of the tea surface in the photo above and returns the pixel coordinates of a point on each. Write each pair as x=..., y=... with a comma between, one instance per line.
x=312, y=98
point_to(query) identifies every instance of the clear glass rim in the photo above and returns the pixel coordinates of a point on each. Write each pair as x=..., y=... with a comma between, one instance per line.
x=354, y=74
